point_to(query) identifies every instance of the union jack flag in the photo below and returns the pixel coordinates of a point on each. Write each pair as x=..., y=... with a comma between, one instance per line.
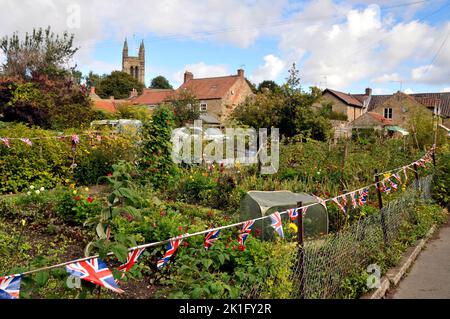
x=210, y=238
x=397, y=177
x=293, y=213
x=172, y=247
x=353, y=197
x=75, y=139
x=27, y=141
x=245, y=232
x=10, y=287
x=386, y=189
x=277, y=224
x=132, y=258
x=5, y=141
x=393, y=185
x=95, y=271
x=320, y=200
x=339, y=204
x=363, y=194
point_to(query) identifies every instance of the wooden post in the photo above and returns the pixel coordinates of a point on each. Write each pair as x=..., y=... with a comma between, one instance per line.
x=434, y=155
x=416, y=176
x=301, y=253
x=380, y=205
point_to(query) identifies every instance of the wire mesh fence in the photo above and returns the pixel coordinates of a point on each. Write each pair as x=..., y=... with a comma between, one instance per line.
x=328, y=262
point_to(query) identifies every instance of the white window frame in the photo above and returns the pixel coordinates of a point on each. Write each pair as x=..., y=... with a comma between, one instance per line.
x=388, y=113
x=203, y=107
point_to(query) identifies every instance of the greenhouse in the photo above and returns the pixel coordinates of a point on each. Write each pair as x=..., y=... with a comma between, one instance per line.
x=258, y=204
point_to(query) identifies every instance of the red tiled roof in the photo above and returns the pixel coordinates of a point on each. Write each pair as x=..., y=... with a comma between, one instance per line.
x=380, y=118
x=210, y=88
x=346, y=98
x=105, y=105
x=153, y=97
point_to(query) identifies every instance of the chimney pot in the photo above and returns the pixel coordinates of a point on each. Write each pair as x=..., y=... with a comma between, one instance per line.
x=188, y=76
x=93, y=90
x=241, y=73
x=369, y=91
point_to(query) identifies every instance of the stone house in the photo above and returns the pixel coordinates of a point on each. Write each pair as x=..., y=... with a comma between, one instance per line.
x=344, y=103
x=217, y=96
x=371, y=120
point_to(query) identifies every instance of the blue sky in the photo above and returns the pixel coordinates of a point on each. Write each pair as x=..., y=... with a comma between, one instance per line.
x=346, y=45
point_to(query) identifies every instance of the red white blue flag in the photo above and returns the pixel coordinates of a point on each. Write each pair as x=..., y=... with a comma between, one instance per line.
x=5, y=141
x=353, y=197
x=397, y=177
x=95, y=271
x=172, y=247
x=277, y=223
x=132, y=258
x=393, y=185
x=293, y=213
x=321, y=201
x=10, y=287
x=245, y=232
x=363, y=194
x=339, y=204
x=27, y=141
x=210, y=238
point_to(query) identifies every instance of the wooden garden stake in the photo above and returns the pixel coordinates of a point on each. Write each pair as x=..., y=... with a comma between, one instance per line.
x=380, y=205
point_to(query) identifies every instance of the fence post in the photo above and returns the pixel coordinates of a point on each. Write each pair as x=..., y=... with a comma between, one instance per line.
x=380, y=205
x=434, y=155
x=301, y=253
x=416, y=176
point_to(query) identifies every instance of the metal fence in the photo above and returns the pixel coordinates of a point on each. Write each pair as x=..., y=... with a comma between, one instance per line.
x=330, y=261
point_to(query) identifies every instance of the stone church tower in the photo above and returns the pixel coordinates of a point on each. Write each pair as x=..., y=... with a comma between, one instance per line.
x=135, y=66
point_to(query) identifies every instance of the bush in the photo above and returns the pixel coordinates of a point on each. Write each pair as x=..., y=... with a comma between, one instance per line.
x=441, y=185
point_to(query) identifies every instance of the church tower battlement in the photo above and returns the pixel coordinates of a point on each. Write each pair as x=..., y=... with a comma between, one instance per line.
x=135, y=66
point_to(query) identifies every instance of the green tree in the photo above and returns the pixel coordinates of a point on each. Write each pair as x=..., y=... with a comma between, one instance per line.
x=161, y=82
x=186, y=108
x=118, y=84
x=93, y=80
x=41, y=52
x=270, y=85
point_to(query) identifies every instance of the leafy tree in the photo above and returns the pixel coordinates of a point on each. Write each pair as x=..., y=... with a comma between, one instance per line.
x=50, y=104
x=161, y=82
x=93, y=80
x=118, y=84
x=41, y=52
x=270, y=85
x=186, y=108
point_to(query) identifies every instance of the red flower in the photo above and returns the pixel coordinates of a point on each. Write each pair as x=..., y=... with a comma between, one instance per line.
x=180, y=228
x=241, y=247
x=90, y=199
x=258, y=231
x=162, y=214
x=78, y=198
x=185, y=244
x=109, y=174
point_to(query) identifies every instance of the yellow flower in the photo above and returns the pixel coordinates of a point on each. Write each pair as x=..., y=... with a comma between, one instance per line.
x=24, y=222
x=387, y=175
x=293, y=227
x=75, y=192
x=67, y=181
x=72, y=186
x=86, y=189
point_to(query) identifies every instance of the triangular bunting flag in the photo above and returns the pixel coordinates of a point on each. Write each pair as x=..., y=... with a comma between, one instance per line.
x=10, y=287
x=94, y=271
x=277, y=223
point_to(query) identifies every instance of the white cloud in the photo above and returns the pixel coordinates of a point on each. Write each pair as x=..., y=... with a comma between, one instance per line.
x=446, y=89
x=272, y=68
x=393, y=77
x=408, y=91
x=200, y=70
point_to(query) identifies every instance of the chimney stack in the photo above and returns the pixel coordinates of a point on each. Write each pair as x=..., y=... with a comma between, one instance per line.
x=241, y=73
x=188, y=76
x=133, y=93
x=92, y=90
x=368, y=91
